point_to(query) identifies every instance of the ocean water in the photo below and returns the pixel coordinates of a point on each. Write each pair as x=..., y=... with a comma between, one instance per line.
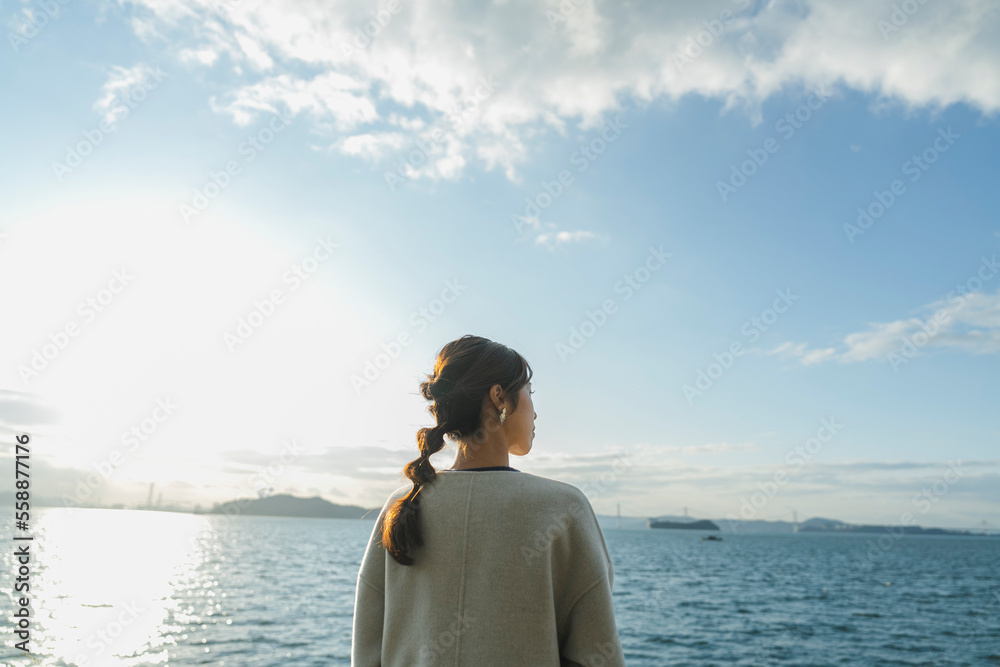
x=119, y=587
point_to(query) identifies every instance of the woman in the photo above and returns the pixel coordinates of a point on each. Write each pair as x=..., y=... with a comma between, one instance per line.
x=487, y=565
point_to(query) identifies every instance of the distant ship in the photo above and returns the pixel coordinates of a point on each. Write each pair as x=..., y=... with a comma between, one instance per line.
x=703, y=524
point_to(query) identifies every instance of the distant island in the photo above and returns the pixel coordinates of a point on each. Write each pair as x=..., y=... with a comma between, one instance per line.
x=703, y=524
x=833, y=526
x=284, y=505
x=290, y=506
x=760, y=526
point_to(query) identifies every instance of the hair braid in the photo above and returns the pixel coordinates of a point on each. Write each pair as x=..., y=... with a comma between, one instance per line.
x=465, y=370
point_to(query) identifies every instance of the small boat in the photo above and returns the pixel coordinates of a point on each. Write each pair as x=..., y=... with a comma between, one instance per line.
x=711, y=538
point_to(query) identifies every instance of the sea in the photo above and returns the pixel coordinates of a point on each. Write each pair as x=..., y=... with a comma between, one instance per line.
x=130, y=587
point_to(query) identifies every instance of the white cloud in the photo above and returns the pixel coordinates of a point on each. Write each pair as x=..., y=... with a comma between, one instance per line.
x=254, y=53
x=552, y=239
x=203, y=56
x=545, y=234
x=428, y=60
x=807, y=357
x=121, y=85
x=718, y=448
x=22, y=409
x=372, y=145
x=650, y=480
x=326, y=97
x=969, y=322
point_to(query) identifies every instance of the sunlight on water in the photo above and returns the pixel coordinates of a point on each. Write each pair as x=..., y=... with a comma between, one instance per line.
x=103, y=584
x=129, y=588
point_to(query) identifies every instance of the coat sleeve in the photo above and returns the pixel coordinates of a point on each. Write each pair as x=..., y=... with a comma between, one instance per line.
x=369, y=603
x=366, y=638
x=592, y=639
x=593, y=634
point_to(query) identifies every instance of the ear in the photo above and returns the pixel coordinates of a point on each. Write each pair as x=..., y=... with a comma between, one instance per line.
x=496, y=395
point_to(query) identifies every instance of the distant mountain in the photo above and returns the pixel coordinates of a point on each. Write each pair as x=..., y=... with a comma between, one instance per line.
x=286, y=505
x=316, y=507
x=814, y=525
x=821, y=524
x=834, y=526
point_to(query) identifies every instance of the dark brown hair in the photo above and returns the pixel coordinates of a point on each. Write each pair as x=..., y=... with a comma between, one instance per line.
x=465, y=370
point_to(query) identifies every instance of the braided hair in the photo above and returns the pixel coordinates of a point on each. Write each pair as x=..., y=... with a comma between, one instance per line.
x=464, y=372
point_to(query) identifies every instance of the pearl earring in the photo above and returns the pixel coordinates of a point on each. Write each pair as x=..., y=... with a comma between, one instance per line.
x=503, y=414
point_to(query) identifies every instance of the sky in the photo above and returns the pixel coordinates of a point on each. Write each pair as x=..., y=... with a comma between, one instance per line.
x=749, y=249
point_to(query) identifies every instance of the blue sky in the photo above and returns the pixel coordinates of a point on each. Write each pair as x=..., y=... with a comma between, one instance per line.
x=890, y=332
